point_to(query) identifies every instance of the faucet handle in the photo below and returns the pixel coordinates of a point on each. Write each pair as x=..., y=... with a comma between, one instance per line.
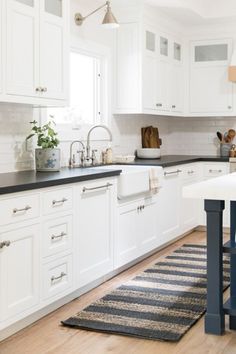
x=82, y=157
x=94, y=157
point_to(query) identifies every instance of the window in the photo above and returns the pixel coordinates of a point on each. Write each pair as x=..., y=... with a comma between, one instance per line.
x=85, y=92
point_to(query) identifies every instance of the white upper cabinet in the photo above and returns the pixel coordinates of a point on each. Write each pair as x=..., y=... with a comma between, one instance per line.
x=37, y=51
x=210, y=90
x=22, y=76
x=149, y=71
x=53, y=48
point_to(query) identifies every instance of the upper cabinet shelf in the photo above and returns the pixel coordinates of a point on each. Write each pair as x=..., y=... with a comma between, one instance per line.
x=36, y=46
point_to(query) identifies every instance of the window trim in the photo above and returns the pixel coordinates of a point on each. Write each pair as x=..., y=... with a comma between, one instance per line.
x=102, y=53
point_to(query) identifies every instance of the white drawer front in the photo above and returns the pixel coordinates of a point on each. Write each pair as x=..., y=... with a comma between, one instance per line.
x=191, y=172
x=214, y=170
x=57, y=236
x=57, y=277
x=57, y=201
x=20, y=208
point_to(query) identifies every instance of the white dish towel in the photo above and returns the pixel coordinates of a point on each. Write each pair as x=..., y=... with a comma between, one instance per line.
x=153, y=181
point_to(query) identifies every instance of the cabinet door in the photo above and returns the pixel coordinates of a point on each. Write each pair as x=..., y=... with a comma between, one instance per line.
x=163, y=85
x=126, y=240
x=147, y=226
x=177, y=88
x=22, y=71
x=150, y=70
x=210, y=89
x=170, y=201
x=19, y=271
x=95, y=231
x=54, y=50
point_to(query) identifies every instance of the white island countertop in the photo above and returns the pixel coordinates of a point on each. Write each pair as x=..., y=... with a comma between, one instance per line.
x=219, y=188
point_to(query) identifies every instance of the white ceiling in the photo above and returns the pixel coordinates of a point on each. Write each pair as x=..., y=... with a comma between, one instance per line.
x=198, y=11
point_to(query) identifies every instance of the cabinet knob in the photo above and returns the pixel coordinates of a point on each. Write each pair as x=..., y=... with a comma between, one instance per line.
x=5, y=244
x=174, y=106
x=159, y=104
x=229, y=107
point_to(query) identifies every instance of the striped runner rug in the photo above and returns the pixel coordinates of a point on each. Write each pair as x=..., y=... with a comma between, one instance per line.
x=162, y=303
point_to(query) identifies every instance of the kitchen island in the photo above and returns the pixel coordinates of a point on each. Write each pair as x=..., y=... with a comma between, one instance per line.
x=215, y=192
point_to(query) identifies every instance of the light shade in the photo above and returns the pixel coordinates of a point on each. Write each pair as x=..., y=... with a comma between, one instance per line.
x=109, y=20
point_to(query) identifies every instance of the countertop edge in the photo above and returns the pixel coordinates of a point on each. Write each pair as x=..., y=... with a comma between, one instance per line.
x=57, y=182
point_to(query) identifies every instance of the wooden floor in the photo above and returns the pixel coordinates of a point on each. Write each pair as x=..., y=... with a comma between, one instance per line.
x=48, y=337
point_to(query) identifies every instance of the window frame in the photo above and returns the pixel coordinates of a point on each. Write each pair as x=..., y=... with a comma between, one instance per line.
x=69, y=132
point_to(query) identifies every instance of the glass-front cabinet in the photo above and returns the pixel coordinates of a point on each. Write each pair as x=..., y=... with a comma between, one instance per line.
x=210, y=90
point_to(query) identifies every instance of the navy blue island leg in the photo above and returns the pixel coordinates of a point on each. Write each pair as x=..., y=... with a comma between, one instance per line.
x=215, y=318
x=232, y=319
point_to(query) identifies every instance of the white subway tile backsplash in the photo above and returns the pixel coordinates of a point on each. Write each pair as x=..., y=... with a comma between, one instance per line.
x=194, y=136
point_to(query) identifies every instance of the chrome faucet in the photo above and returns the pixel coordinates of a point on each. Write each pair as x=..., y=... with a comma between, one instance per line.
x=72, y=162
x=88, y=147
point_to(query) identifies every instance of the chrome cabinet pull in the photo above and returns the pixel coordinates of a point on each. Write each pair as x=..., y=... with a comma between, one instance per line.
x=55, y=237
x=5, y=244
x=159, y=104
x=15, y=211
x=173, y=106
x=172, y=173
x=215, y=171
x=190, y=172
x=61, y=276
x=62, y=201
x=85, y=189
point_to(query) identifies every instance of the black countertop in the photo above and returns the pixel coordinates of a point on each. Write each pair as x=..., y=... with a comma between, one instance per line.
x=27, y=180
x=174, y=160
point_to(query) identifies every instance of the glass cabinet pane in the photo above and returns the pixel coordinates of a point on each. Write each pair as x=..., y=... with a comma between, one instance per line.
x=211, y=52
x=54, y=7
x=150, y=41
x=177, y=51
x=164, y=46
x=27, y=2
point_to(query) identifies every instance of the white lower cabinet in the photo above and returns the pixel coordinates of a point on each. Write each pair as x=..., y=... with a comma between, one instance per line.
x=191, y=173
x=19, y=270
x=56, y=241
x=95, y=208
x=137, y=231
x=212, y=170
x=170, y=212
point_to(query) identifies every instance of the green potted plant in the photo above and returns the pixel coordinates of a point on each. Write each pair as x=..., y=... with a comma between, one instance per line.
x=47, y=156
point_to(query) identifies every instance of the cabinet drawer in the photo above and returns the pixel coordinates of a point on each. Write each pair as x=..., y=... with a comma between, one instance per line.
x=57, y=277
x=57, y=236
x=214, y=170
x=57, y=201
x=20, y=208
x=191, y=172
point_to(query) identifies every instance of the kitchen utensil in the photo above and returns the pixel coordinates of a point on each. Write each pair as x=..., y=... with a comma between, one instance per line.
x=231, y=133
x=148, y=153
x=219, y=136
